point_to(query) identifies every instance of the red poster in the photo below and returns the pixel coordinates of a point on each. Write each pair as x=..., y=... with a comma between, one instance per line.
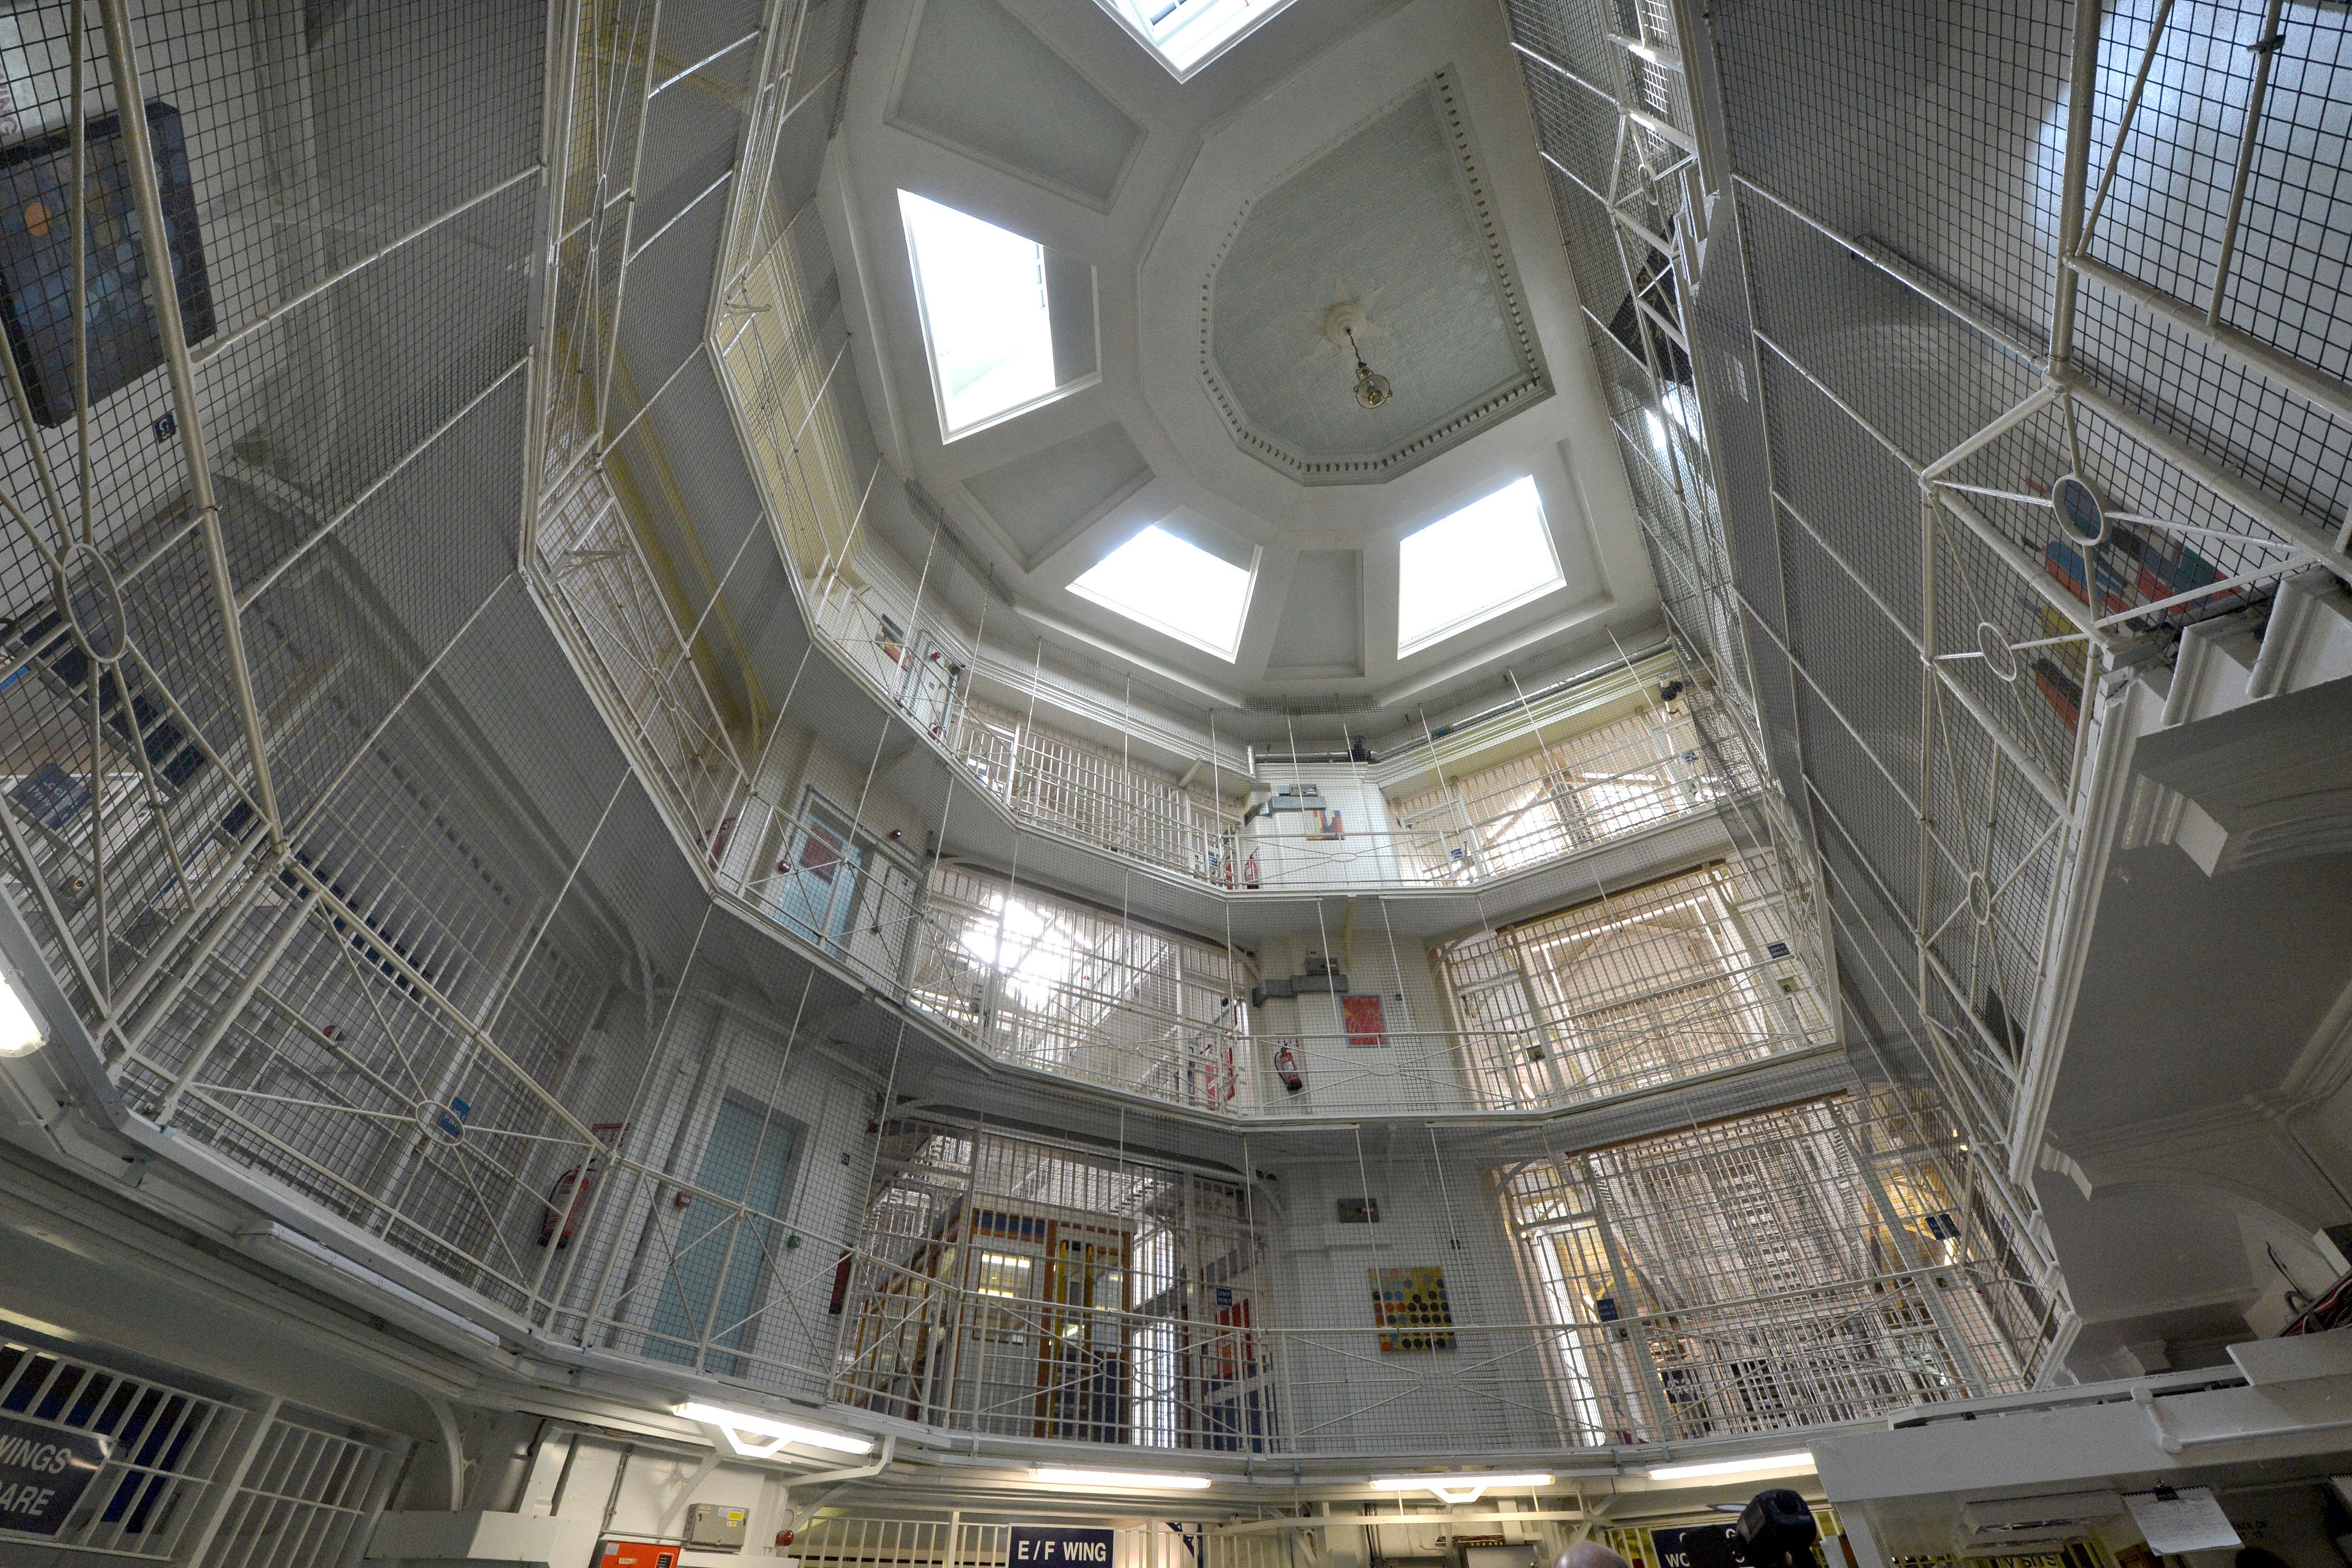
x=1367, y=1020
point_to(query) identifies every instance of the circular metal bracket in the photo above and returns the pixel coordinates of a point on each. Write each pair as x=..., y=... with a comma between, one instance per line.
x=92, y=601
x=1992, y=645
x=2080, y=511
x=442, y=1122
x=1980, y=897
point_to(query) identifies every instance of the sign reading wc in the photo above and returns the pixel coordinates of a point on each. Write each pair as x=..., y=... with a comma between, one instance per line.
x=1053, y=1546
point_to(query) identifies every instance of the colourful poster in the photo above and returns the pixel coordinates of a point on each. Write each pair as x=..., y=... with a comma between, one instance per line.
x=1412, y=1298
x=1366, y=1019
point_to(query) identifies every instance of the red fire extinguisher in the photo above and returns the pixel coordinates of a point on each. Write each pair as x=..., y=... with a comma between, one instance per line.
x=574, y=1185
x=1285, y=1067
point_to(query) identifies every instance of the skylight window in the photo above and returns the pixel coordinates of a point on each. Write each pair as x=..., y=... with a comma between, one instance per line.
x=1492, y=555
x=1008, y=323
x=1174, y=586
x=1188, y=34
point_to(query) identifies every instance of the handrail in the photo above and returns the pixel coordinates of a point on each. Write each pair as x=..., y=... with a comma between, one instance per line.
x=926, y=1349
x=910, y=669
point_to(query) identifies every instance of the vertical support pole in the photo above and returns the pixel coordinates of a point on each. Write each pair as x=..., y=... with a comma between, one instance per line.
x=379, y=1492
x=562, y=72
x=222, y=1492
x=1930, y=1292
x=1635, y=1326
x=169, y=1105
x=2265, y=47
x=1925, y=795
x=163, y=285
x=628, y=223
x=2082, y=84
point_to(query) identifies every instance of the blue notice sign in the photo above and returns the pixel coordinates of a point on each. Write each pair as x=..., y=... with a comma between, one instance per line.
x=1058, y=1546
x=45, y=1469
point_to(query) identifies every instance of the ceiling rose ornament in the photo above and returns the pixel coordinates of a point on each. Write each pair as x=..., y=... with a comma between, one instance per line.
x=1400, y=201
x=1346, y=325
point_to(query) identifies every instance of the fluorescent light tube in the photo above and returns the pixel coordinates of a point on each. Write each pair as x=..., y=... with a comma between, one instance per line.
x=1800, y=1461
x=1459, y=1488
x=740, y=1426
x=1054, y=1475
x=20, y=1032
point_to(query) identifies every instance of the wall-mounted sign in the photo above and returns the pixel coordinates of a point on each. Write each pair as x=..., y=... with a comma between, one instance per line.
x=44, y=1470
x=1700, y=1546
x=1366, y=1020
x=1059, y=1546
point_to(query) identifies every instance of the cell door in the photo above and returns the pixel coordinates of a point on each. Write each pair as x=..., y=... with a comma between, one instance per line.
x=1083, y=1370
x=717, y=1267
x=1508, y=1051
x=819, y=881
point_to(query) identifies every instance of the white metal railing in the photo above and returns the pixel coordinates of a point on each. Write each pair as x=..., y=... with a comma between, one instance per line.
x=1641, y=773
x=1700, y=973
x=195, y=1478
x=968, y=1362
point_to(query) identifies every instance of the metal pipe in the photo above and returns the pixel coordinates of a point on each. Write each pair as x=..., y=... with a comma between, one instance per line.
x=386, y=953
x=561, y=71
x=629, y=259
x=2012, y=555
x=2307, y=381
x=2027, y=768
x=2083, y=85
x=1900, y=271
x=2123, y=130
x=299, y=552
x=220, y=346
x=319, y=802
x=628, y=222
x=2265, y=48
x=2033, y=404
x=1843, y=407
x=163, y=283
x=169, y=1104
x=713, y=57
x=2239, y=492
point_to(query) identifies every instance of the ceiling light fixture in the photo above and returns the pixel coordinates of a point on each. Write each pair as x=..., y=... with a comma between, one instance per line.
x=1457, y=1488
x=1758, y=1463
x=1372, y=389
x=1054, y=1475
x=20, y=1032
x=741, y=1427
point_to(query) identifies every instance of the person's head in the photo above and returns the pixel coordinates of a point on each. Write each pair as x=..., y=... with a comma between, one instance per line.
x=1589, y=1554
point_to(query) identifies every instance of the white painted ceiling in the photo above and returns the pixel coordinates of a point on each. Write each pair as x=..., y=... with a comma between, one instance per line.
x=1390, y=218
x=1296, y=160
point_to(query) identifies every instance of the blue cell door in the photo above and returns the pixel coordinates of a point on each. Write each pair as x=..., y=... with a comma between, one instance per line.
x=818, y=887
x=718, y=1268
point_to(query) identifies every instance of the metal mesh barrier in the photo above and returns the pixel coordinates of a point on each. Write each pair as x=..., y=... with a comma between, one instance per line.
x=1638, y=771
x=1084, y=993
x=1011, y=1286
x=370, y=891
x=1826, y=1262
x=1952, y=256
x=1822, y=1263
x=1659, y=984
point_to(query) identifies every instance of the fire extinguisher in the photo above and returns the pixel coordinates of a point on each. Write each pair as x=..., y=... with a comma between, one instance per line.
x=1285, y=1067
x=572, y=1185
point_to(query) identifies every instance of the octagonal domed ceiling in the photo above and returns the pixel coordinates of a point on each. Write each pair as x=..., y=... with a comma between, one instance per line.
x=1394, y=218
